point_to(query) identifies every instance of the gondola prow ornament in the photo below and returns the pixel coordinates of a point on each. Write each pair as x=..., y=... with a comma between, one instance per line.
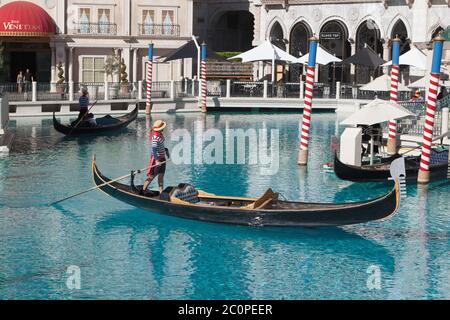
x=398, y=174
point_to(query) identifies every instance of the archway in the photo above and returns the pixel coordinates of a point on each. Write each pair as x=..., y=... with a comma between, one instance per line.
x=400, y=30
x=334, y=38
x=276, y=36
x=368, y=34
x=300, y=34
x=233, y=32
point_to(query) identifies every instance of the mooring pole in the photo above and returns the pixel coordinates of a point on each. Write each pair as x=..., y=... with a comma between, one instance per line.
x=309, y=88
x=148, y=105
x=203, y=78
x=424, y=170
x=395, y=69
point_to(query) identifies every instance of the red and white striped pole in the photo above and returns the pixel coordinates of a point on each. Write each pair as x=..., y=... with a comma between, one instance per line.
x=425, y=159
x=309, y=88
x=392, y=139
x=148, y=105
x=203, y=78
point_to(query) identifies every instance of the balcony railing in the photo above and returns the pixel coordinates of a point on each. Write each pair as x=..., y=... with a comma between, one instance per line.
x=167, y=30
x=95, y=28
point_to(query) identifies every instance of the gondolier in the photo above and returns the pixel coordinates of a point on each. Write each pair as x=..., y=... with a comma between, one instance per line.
x=159, y=154
x=83, y=103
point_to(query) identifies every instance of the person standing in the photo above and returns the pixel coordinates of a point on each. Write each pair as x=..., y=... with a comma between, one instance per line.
x=28, y=79
x=157, y=165
x=20, y=81
x=83, y=103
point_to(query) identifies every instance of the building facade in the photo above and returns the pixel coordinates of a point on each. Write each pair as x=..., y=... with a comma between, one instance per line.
x=78, y=36
x=344, y=26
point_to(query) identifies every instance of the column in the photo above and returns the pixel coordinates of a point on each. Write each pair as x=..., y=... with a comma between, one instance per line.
x=134, y=78
x=70, y=72
x=352, y=66
x=53, y=69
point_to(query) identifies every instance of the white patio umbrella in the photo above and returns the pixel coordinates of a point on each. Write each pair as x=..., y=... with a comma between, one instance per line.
x=323, y=57
x=424, y=82
x=382, y=83
x=266, y=52
x=377, y=111
x=413, y=57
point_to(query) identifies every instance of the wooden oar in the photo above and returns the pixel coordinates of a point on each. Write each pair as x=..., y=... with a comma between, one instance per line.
x=81, y=120
x=106, y=183
x=442, y=136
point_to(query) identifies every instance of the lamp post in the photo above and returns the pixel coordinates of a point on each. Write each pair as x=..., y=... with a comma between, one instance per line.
x=306, y=121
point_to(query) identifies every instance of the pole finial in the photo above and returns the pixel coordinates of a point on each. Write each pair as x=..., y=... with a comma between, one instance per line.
x=439, y=37
x=314, y=38
x=396, y=39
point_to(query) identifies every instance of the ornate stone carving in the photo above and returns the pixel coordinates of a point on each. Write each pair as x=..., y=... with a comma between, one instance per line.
x=317, y=15
x=354, y=14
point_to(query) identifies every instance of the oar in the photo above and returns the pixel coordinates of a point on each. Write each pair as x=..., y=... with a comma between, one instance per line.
x=106, y=183
x=81, y=120
x=442, y=136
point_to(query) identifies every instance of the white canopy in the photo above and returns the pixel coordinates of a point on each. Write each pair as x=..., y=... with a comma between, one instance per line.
x=382, y=83
x=424, y=82
x=323, y=57
x=413, y=57
x=265, y=52
x=377, y=111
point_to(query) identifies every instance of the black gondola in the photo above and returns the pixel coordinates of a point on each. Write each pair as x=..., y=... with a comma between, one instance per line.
x=264, y=211
x=104, y=124
x=380, y=171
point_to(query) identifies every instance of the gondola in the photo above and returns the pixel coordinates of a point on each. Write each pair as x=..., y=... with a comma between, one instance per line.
x=380, y=171
x=104, y=124
x=185, y=202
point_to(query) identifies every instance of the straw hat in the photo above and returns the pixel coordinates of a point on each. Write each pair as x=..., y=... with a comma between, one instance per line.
x=159, y=125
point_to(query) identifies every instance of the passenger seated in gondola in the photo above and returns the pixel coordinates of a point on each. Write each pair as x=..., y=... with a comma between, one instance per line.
x=90, y=121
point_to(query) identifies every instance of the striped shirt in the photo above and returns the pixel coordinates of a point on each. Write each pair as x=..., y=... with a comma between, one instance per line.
x=84, y=101
x=158, y=149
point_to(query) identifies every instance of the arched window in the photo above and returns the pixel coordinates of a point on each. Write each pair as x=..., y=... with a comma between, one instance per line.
x=277, y=36
x=334, y=39
x=368, y=35
x=300, y=34
x=400, y=30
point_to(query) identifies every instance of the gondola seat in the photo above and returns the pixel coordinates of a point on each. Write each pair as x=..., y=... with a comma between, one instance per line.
x=186, y=193
x=266, y=199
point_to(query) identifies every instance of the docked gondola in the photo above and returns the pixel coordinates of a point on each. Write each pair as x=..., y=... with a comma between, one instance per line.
x=104, y=124
x=185, y=201
x=380, y=171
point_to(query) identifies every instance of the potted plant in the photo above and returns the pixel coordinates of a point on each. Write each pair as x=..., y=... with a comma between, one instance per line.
x=112, y=67
x=60, y=87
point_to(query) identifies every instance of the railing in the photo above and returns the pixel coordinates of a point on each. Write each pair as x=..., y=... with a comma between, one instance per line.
x=95, y=28
x=247, y=89
x=168, y=30
x=16, y=92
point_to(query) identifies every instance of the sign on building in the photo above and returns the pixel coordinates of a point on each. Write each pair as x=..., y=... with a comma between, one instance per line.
x=330, y=35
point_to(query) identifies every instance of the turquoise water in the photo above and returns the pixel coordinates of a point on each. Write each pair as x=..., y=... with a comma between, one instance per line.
x=127, y=253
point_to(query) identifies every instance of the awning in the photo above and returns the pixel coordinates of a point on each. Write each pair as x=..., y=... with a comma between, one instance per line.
x=323, y=57
x=383, y=83
x=413, y=57
x=25, y=19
